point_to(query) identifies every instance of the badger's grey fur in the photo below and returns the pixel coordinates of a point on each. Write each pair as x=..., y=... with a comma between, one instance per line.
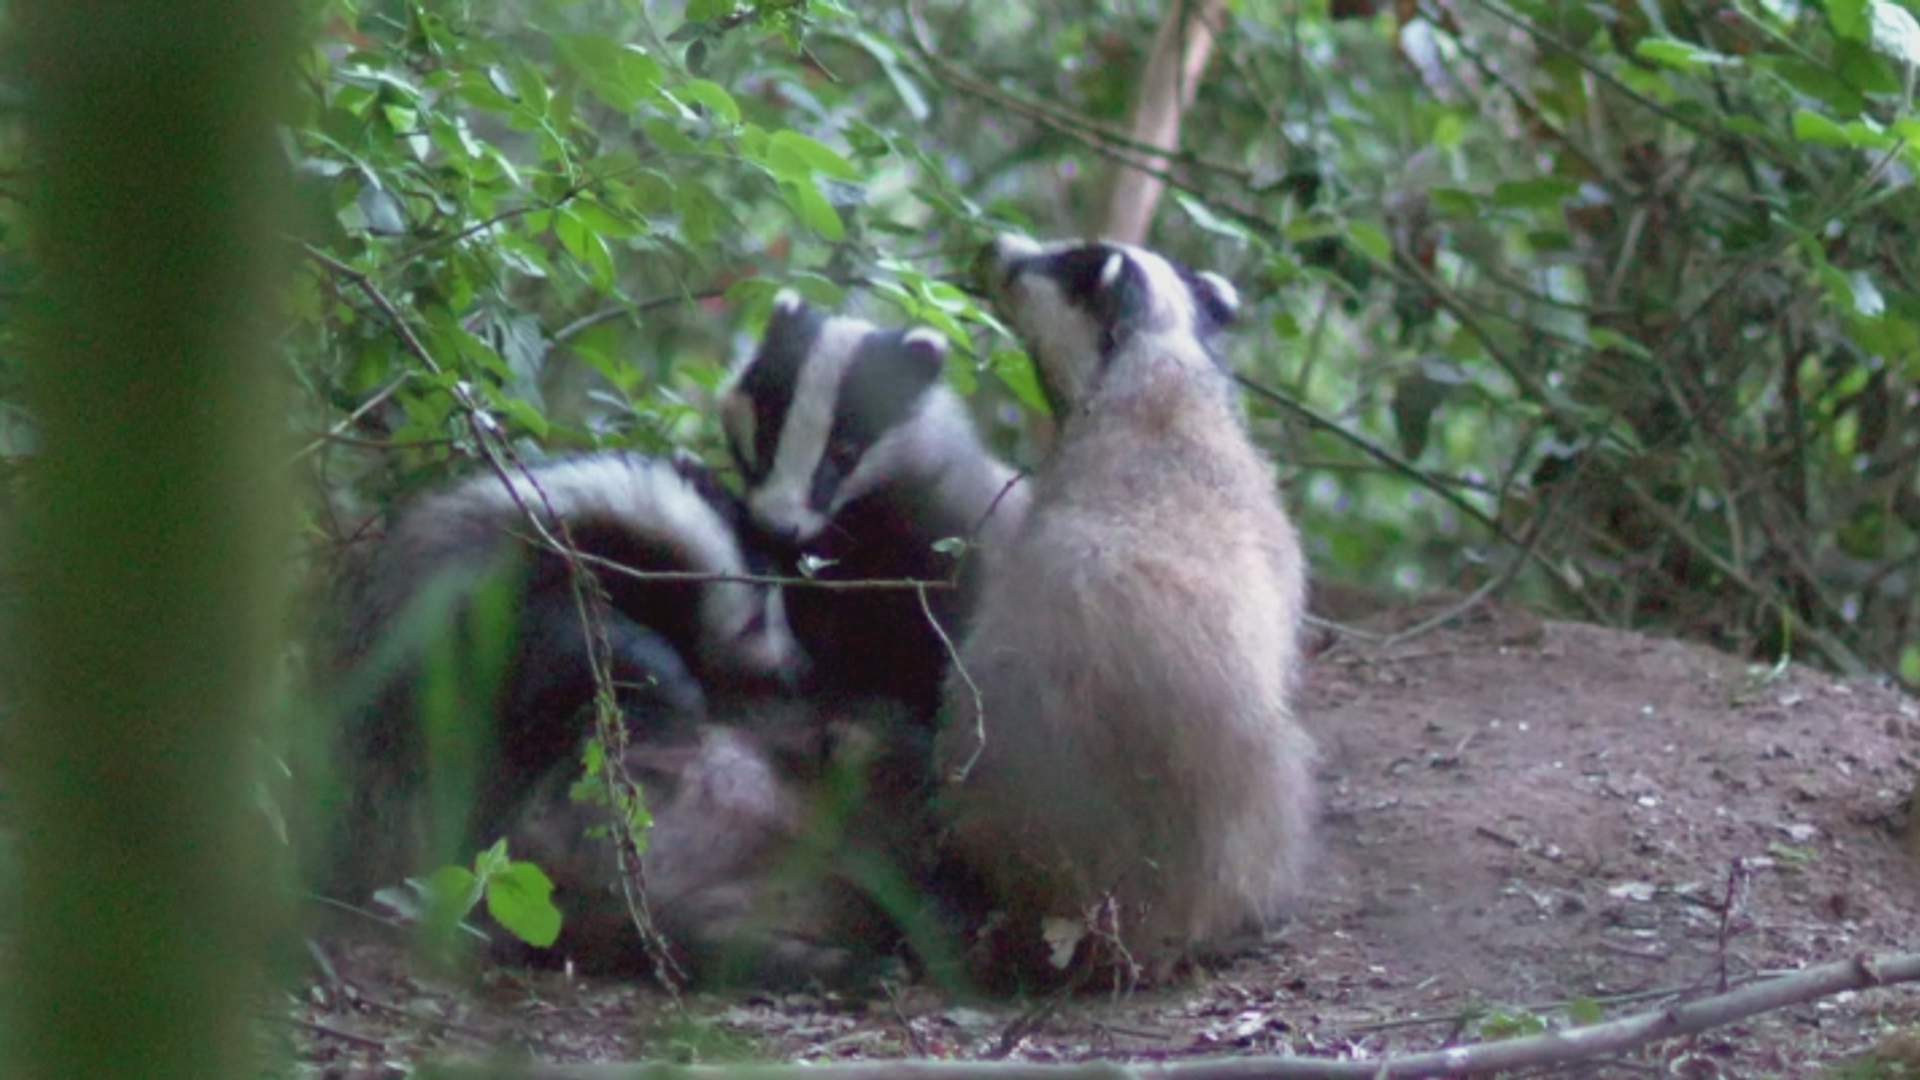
x=856, y=452
x=778, y=854
x=670, y=645
x=1130, y=758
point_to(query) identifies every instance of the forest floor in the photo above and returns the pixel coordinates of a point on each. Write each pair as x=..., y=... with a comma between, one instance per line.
x=1518, y=814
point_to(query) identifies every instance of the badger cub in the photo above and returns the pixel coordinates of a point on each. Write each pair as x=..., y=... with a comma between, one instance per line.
x=1119, y=752
x=855, y=452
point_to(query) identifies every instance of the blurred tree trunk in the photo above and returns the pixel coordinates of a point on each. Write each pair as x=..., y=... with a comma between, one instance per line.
x=152, y=610
x=1179, y=57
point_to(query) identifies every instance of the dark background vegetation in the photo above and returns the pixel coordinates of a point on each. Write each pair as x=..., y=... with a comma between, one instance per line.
x=1613, y=306
x=1609, y=307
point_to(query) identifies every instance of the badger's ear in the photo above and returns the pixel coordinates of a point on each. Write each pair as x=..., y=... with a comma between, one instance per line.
x=925, y=350
x=1120, y=289
x=1217, y=298
x=788, y=307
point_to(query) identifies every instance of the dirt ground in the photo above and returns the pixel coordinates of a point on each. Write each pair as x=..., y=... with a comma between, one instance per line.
x=1518, y=814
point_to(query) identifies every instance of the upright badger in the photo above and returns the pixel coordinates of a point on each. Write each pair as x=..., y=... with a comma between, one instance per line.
x=737, y=770
x=855, y=452
x=1119, y=747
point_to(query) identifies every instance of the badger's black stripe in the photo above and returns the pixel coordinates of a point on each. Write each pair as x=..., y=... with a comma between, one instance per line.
x=772, y=380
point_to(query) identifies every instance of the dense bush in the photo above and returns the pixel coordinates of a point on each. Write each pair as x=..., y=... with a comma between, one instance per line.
x=1610, y=306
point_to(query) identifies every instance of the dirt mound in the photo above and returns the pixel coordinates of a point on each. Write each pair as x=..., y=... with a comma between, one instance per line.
x=1518, y=814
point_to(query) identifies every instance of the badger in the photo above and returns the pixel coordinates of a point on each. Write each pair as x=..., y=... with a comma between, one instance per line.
x=428, y=584
x=778, y=857
x=770, y=812
x=856, y=455
x=1119, y=762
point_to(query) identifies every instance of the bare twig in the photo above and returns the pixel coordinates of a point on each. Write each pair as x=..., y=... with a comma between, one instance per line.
x=1534, y=1052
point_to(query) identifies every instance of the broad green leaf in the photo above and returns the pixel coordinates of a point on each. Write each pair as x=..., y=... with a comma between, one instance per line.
x=1817, y=81
x=1864, y=69
x=1812, y=127
x=605, y=222
x=818, y=156
x=713, y=96
x=452, y=891
x=1848, y=18
x=584, y=244
x=1016, y=373
x=813, y=209
x=520, y=898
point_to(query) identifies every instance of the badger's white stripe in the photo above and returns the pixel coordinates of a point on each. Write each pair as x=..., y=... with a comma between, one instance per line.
x=1229, y=295
x=925, y=335
x=781, y=501
x=651, y=499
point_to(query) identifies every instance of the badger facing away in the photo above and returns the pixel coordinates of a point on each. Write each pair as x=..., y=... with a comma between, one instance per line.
x=736, y=769
x=1120, y=752
x=855, y=452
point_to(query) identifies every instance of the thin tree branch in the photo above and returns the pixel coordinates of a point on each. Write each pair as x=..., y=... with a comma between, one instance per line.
x=1534, y=1052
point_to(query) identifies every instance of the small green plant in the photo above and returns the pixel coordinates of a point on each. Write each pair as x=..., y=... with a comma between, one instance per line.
x=518, y=895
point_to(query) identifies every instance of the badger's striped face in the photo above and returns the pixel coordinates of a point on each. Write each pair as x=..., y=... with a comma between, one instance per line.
x=674, y=510
x=1076, y=305
x=812, y=418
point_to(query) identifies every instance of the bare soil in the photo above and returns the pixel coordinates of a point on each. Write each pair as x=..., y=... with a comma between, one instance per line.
x=1518, y=815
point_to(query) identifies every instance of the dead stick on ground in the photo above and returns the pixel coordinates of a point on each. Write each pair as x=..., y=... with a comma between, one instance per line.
x=1612, y=1037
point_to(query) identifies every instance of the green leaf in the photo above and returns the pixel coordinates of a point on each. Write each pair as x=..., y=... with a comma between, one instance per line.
x=1910, y=665
x=700, y=214
x=584, y=244
x=888, y=57
x=1848, y=18
x=1681, y=55
x=622, y=76
x=817, y=156
x=1544, y=193
x=1816, y=81
x=1864, y=69
x=1455, y=202
x=813, y=209
x=1016, y=373
x=713, y=96
x=1371, y=241
x=520, y=898
x=452, y=892
x=664, y=135
x=1584, y=1012
x=1209, y=221
x=1812, y=127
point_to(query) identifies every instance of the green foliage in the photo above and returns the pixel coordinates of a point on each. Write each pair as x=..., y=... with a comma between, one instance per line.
x=518, y=895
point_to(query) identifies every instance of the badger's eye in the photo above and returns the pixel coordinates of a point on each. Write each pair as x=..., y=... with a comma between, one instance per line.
x=843, y=453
